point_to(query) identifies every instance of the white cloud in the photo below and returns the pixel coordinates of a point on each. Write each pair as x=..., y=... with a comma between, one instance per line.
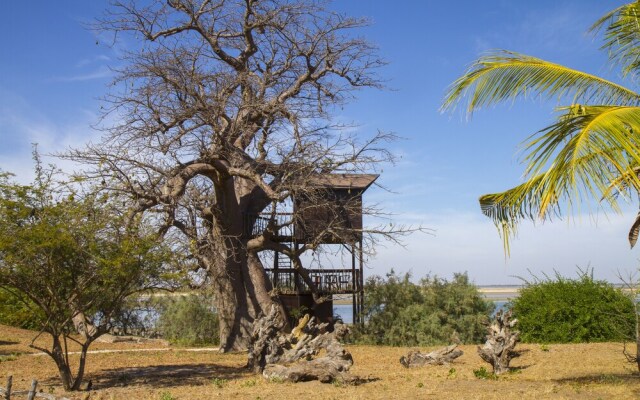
x=99, y=73
x=96, y=59
x=21, y=125
x=470, y=242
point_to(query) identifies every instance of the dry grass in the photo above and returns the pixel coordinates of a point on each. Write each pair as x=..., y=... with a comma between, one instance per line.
x=576, y=371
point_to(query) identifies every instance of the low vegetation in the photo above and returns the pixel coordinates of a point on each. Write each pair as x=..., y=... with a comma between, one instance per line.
x=69, y=253
x=573, y=310
x=434, y=311
x=18, y=310
x=124, y=373
x=188, y=321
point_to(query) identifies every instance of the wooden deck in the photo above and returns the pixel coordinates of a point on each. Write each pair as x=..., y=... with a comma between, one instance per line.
x=327, y=281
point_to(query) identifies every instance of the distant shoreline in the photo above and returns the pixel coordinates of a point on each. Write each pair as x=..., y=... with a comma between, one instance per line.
x=499, y=293
x=492, y=292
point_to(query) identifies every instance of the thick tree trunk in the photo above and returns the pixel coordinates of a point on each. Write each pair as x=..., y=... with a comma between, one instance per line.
x=64, y=371
x=231, y=304
x=239, y=280
x=77, y=384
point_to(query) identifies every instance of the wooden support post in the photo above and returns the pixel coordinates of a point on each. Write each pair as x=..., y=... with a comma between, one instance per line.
x=276, y=266
x=7, y=393
x=354, y=285
x=32, y=392
x=360, y=284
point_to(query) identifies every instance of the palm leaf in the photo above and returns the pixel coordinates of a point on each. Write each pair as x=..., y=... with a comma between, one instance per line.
x=633, y=232
x=502, y=76
x=622, y=36
x=580, y=156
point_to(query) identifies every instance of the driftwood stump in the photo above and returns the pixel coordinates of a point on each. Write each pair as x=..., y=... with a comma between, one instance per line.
x=498, y=350
x=290, y=357
x=437, y=357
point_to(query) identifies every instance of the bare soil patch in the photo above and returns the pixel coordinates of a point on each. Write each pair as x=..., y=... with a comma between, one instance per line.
x=572, y=371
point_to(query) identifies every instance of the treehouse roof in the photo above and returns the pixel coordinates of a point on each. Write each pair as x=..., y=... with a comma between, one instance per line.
x=344, y=181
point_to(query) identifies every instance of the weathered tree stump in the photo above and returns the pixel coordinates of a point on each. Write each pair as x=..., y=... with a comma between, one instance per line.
x=290, y=357
x=437, y=357
x=498, y=350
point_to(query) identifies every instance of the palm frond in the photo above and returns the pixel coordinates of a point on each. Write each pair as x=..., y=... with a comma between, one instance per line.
x=620, y=185
x=622, y=36
x=587, y=150
x=503, y=75
x=507, y=209
x=634, y=231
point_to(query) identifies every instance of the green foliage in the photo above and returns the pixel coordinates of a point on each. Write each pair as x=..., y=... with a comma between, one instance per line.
x=69, y=252
x=298, y=312
x=563, y=310
x=483, y=373
x=590, y=151
x=167, y=396
x=19, y=311
x=219, y=382
x=189, y=321
x=400, y=313
x=73, y=253
x=8, y=357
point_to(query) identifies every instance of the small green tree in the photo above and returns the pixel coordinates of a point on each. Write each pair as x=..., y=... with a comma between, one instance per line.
x=564, y=310
x=398, y=312
x=76, y=258
x=17, y=310
x=189, y=321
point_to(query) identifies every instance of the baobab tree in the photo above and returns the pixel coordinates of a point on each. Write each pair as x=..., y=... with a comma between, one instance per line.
x=224, y=114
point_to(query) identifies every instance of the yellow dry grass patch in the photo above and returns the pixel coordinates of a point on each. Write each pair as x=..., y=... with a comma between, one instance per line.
x=573, y=371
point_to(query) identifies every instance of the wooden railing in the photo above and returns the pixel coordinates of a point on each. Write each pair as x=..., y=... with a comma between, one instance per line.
x=326, y=281
x=257, y=224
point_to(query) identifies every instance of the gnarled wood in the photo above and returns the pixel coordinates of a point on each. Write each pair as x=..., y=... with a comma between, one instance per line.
x=501, y=340
x=437, y=357
x=290, y=357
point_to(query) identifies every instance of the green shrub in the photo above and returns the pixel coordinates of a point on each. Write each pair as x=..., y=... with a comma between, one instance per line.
x=17, y=310
x=563, y=310
x=189, y=321
x=483, y=373
x=400, y=313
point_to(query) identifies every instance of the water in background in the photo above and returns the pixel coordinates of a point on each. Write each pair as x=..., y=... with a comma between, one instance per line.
x=500, y=305
x=345, y=311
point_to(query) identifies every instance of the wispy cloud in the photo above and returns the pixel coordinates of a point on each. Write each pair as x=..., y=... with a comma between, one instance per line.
x=470, y=242
x=99, y=73
x=22, y=125
x=554, y=30
x=93, y=60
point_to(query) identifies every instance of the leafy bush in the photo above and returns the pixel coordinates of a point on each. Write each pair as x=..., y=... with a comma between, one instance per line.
x=189, y=321
x=563, y=310
x=17, y=310
x=138, y=316
x=435, y=311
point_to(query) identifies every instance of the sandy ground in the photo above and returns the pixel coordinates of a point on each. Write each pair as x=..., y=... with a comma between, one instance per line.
x=152, y=371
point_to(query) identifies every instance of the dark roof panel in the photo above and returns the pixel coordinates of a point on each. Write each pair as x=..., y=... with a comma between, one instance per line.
x=344, y=181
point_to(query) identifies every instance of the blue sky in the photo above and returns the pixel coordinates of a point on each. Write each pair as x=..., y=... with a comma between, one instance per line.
x=54, y=70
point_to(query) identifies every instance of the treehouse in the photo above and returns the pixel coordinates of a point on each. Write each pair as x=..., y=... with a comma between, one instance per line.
x=328, y=213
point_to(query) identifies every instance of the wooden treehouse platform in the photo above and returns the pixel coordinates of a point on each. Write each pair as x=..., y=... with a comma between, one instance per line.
x=330, y=214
